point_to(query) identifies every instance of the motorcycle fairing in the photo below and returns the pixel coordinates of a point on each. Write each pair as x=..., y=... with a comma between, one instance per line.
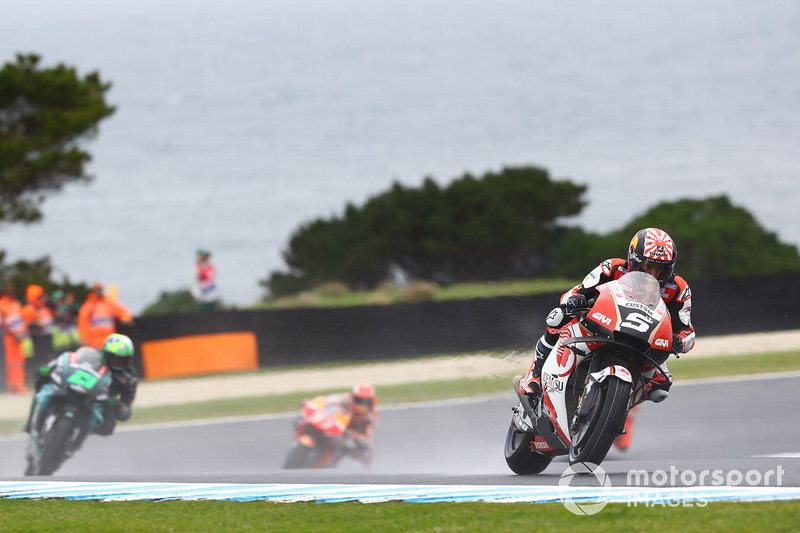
x=80, y=377
x=329, y=419
x=614, y=370
x=632, y=305
x=557, y=369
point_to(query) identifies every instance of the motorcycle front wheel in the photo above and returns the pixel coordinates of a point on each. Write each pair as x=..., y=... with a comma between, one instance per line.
x=592, y=439
x=298, y=457
x=55, y=446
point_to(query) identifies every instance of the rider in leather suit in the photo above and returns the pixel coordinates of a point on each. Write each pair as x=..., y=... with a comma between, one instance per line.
x=653, y=251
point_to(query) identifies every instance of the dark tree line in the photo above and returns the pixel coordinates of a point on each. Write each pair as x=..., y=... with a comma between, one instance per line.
x=500, y=225
x=508, y=225
x=714, y=238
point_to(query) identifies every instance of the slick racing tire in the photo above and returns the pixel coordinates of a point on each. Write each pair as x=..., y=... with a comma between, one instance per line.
x=521, y=460
x=298, y=457
x=594, y=437
x=55, y=445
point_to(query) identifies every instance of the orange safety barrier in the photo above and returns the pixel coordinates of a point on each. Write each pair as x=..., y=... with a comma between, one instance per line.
x=199, y=354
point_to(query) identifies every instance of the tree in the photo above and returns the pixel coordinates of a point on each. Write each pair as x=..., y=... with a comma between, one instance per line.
x=44, y=114
x=714, y=239
x=501, y=225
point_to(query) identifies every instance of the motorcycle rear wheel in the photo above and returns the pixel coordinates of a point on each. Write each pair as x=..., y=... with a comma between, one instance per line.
x=55, y=446
x=519, y=457
x=603, y=426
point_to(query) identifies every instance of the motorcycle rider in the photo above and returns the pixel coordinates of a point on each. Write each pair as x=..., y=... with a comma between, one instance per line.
x=358, y=409
x=652, y=251
x=117, y=353
x=363, y=415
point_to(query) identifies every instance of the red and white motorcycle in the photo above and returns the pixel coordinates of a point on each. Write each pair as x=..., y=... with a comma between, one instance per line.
x=592, y=377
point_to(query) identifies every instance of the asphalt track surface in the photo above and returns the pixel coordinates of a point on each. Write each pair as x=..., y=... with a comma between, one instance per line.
x=724, y=425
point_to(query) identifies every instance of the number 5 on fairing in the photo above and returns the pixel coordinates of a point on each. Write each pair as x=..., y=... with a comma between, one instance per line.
x=637, y=322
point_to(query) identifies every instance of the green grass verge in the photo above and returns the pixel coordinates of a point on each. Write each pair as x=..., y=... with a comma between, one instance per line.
x=60, y=516
x=388, y=294
x=466, y=291
x=252, y=405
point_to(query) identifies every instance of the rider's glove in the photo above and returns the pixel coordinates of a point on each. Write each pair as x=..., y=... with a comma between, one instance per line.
x=677, y=344
x=576, y=301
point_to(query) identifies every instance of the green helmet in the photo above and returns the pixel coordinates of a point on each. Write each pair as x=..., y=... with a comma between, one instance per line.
x=118, y=350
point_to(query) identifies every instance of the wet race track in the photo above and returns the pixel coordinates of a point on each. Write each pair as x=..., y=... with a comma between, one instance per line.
x=747, y=424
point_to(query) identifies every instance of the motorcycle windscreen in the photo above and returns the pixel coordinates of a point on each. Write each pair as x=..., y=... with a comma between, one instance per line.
x=642, y=288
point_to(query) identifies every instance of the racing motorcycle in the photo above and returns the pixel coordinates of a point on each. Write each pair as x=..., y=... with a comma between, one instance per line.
x=77, y=384
x=321, y=438
x=592, y=377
